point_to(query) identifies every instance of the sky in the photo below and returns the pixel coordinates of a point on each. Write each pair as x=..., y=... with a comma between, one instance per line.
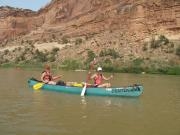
x=26, y=4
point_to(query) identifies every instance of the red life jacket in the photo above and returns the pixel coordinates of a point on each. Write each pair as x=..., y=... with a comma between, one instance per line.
x=47, y=76
x=98, y=79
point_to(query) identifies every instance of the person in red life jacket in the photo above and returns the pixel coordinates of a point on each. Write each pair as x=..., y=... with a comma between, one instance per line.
x=47, y=77
x=99, y=77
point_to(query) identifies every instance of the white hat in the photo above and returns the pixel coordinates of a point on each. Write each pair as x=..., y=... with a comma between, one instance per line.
x=99, y=69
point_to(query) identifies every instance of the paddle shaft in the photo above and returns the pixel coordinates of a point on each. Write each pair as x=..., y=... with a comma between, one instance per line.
x=87, y=79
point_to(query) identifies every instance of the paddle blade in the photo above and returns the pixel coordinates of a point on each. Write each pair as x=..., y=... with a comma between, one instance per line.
x=84, y=90
x=37, y=86
x=77, y=85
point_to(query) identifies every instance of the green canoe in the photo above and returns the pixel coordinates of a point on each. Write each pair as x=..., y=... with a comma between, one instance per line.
x=130, y=91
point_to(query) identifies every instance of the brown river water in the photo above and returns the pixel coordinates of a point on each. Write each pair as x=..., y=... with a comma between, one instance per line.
x=27, y=112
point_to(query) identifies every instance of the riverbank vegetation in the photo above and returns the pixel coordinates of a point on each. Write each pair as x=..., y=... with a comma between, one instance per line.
x=109, y=58
x=136, y=66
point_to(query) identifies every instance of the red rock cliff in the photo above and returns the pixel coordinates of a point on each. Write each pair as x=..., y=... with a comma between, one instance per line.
x=84, y=17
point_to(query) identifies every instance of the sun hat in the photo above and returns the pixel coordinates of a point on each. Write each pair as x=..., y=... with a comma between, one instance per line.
x=99, y=69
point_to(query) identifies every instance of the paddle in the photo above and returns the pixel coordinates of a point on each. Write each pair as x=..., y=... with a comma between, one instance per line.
x=38, y=86
x=85, y=85
x=84, y=89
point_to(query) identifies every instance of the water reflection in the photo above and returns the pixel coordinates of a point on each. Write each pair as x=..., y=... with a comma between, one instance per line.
x=83, y=101
x=106, y=102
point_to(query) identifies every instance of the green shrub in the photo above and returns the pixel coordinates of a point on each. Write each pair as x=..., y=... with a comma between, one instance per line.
x=174, y=71
x=6, y=52
x=26, y=49
x=32, y=46
x=171, y=44
x=138, y=62
x=90, y=57
x=101, y=54
x=109, y=52
x=153, y=43
x=71, y=64
x=134, y=69
x=21, y=57
x=162, y=40
x=16, y=60
x=107, y=65
x=53, y=36
x=109, y=68
x=65, y=40
x=30, y=42
x=78, y=41
x=51, y=58
x=40, y=56
x=162, y=70
x=178, y=51
x=22, y=41
x=108, y=61
x=55, y=50
x=145, y=47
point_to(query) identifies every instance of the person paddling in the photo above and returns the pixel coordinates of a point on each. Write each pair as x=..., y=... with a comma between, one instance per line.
x=98, y=78
x=47, y=77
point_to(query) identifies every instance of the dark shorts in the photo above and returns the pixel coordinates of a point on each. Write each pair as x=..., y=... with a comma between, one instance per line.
x=61, y=83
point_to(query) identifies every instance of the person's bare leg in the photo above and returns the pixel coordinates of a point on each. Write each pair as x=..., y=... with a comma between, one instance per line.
x=104, y=85
x=70, y=83
x=52, y=82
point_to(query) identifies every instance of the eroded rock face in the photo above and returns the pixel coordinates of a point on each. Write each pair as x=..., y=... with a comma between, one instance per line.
x=83, y=17
x=15, y=22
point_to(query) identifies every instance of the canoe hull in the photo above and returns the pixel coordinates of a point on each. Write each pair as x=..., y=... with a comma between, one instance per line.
x=130, y=91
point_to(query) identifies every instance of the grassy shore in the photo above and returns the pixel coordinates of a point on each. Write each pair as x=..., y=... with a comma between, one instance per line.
x=173, y=70
x=141, y=70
